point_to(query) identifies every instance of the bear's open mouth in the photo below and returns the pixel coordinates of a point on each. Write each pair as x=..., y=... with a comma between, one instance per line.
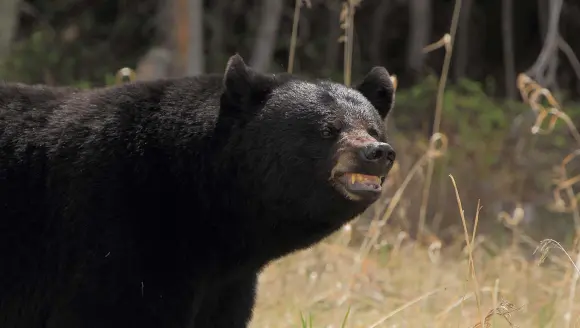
x=358, y=184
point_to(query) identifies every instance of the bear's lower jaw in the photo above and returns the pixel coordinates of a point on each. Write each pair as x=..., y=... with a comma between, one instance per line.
x=359, y=187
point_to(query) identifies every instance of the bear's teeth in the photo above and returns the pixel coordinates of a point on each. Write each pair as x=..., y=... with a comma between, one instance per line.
x=363, y=178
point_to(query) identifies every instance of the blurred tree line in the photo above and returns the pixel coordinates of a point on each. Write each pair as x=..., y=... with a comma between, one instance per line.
x=84, y=43
x=67, y=41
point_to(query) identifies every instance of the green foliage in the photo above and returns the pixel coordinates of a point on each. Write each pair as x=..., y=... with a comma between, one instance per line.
x=308, y=324
x=304, y=323
x=490, y=144
x=110, y=79
x=476, y=124
x=66, y=43
x=38, y=60
x=472, y=121
x=547, y=312
x=31, y=56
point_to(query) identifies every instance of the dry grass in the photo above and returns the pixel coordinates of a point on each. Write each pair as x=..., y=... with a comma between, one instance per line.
x=401, y=284
x=404, y=287
x=392, y=281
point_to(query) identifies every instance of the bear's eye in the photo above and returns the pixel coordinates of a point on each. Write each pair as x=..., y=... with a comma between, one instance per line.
x=374, y=133
x=328, y=132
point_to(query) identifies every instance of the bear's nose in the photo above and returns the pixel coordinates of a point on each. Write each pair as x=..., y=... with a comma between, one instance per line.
x=377, y=151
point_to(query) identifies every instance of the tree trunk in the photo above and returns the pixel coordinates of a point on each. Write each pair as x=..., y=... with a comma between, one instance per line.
x=462, y=50
x=377, y=32
x=543, y=69
x=217, y=20
x=508, y=48
x=419, y=33
x=267, y=35
x=8, y=25
x=332, y=44
x=156, y=64
x=195, y=53
x=543, y=16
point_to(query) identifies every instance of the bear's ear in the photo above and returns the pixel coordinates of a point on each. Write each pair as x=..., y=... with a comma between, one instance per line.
x=242, y=83
x=378, y=88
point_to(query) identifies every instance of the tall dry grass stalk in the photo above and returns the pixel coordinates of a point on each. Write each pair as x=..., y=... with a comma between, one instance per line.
x=532, y=94
x=469, y=247
x=347, y=24
x=437, y=148
x=294, y=36
x=448, y=42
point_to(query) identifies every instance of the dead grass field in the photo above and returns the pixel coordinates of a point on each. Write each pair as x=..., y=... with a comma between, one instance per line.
x=408, y=286
x=395, y=282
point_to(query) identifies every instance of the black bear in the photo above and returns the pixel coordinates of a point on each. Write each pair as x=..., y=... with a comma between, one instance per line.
x=156, y=204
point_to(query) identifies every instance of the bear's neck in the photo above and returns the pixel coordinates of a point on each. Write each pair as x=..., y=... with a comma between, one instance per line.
x=255, y=239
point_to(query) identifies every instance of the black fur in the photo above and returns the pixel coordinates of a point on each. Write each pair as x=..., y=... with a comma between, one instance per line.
x=155, y=204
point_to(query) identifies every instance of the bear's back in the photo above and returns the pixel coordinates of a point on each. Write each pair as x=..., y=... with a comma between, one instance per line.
x=44, y=117
x=68, y=159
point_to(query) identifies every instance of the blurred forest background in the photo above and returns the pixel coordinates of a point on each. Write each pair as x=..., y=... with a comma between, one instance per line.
x=491, y=151
x=524, y=181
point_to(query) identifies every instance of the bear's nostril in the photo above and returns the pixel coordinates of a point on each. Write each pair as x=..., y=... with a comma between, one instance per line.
x=378, y=151
x=375, y=154
x=391, y=155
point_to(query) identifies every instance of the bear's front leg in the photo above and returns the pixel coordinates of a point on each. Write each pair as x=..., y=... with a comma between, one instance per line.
x=129, y=305
x=230, y=305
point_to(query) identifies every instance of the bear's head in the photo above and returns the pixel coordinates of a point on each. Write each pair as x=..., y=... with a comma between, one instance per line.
x=309, y=148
